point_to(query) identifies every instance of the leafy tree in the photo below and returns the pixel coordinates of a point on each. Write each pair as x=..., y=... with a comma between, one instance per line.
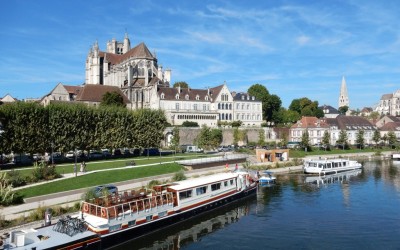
x=305, y=140
x=181, y=84
x=259, y=91
x=376, y=137
x=384, y=139
x=326, y=140
x=261, y=137
x=175, y=141
x=190, y=124
x=236, y=123
x=203, y=138
x=342, y=140
x=360, y=139
x=112, y=99
x=391, y=136
x=374, y=115
x=215, y=137
x=343, y=109
x=239, y=135
x=306, y=107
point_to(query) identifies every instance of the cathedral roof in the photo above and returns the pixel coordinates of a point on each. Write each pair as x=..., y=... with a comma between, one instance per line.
x=386, y=96
x=94, y=93
x=140, y=51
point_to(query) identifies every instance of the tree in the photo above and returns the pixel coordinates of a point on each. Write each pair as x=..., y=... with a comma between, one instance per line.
x=376, y=137
x=326, y=140
x=175, y=141
x=360, y=139
x=342, y=140
x=208, y=138
x=306, y=107
x=392, y=139
x=215, y=137
x=374, y=115
x=384, y=139
x=259, y=91
x=181, y=84
x=305, y=140
x=270, y=103
x=261, y=137
x=112, y=99
x=343, y=109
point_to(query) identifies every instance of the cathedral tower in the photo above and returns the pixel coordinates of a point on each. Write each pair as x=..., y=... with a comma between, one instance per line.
x=343, y=96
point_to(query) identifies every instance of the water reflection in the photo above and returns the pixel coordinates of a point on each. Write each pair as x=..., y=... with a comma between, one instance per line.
x=332, y=178
x=192, y=230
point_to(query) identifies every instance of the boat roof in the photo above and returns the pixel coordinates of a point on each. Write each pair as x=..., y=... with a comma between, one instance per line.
x=201, y=181
x=329, y=160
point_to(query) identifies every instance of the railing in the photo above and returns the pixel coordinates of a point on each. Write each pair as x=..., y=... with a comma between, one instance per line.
x=223, y=158
x=113, y=206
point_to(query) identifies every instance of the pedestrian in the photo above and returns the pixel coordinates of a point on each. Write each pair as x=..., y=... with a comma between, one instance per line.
x=236, y=167
x=227, y=166
x=84, y=166
x=81, y=169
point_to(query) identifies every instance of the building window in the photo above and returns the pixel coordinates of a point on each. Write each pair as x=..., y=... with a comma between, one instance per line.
x=195, y=106
x=206, y=98
x=177, y=106
x=177, y=97
x=197, y=97
x=162, y=96
x=186, y=97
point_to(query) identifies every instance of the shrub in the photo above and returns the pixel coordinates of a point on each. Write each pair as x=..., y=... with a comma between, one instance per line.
x=7, y=196
x=179, y=176
x=42, y=171
x=153, y=183
x=15, y=178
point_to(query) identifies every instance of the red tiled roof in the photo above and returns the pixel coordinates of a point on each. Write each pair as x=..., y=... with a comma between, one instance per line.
x=72, y=89
x=391, y=126
x=94, y=93
x=310, y=122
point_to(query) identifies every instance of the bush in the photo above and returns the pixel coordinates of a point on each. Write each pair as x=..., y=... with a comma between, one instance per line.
x=15, y=178
x=153, y=183
x=42, y=171
x=180, y=176
x=7, y=196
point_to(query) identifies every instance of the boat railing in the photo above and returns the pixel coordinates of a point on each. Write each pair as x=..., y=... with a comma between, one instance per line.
x=113, y=207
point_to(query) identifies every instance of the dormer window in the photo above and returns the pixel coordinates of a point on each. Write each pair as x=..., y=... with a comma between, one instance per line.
x=206, y=98
x=177, y=97
x=248, y=97
x=197, y=97
x=253, y=98
x=162, y=96
x=242, y=97
x=186, y=97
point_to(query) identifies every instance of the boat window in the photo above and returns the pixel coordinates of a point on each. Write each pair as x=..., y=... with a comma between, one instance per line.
x=329, y=165
x=185, y=194
x=149, y=217
x=225, y=183
x=201, y=190
x=131, y=223
x=231, y=182
x=344, y=164
x=215, y=186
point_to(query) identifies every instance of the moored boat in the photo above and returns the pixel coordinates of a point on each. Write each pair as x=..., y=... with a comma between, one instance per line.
x=126, y=215
x=330, y=166
x=332, y=178
x=266, y=178
x=396, y=156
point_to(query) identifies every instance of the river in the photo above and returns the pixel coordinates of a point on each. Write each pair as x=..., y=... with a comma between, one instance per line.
x=355, y=210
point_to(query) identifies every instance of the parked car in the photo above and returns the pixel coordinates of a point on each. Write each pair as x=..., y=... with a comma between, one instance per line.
x=151, y=151
x=117, y=152
x=22, y=160
x=70, y=155
x=111, y=189
x=95, y=155
x=106, y=153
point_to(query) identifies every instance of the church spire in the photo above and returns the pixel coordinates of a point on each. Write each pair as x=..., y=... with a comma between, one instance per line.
x=343, y=96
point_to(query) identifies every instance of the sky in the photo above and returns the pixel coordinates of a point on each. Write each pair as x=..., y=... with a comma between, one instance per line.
x=294, y=48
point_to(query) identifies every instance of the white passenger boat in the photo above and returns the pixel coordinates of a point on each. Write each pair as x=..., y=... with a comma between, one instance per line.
x=126, y=215
x=330, y=166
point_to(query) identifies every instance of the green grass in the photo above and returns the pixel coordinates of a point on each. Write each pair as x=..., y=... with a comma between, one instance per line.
x=98, y=178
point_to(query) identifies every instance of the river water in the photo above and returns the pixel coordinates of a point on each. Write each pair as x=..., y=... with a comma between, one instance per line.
x=355, y=210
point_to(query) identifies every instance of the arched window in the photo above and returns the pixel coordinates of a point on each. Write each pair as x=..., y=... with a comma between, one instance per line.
x=186, y=97
x=219, y=106
x=177, y=97
x=223, y=117
x=206, y=98
x=162, y=96
x=230, y=106
x=197, y=97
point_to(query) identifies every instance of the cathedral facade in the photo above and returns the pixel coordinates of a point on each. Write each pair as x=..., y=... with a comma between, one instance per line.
x=137, y=73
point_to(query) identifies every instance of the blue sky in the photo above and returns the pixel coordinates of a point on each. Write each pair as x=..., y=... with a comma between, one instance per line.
x=294, y=48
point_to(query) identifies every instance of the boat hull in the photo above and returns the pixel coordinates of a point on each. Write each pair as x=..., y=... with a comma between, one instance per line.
x=121, y=236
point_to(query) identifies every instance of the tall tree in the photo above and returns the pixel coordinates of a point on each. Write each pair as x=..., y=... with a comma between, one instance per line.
x=259, y=91
x=175, y=141
x=326, y=140
x=306, y=107
x=342, y=140
x=376, y=137
x=305, y=140
x=261, y=137
x=392, y=139
x=360, y=139
x=181, y=84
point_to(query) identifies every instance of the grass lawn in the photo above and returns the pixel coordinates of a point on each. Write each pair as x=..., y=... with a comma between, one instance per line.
x=98, y=178
x=301, y=153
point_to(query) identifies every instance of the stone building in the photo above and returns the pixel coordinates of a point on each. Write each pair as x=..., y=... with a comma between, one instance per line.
x=389, y=104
